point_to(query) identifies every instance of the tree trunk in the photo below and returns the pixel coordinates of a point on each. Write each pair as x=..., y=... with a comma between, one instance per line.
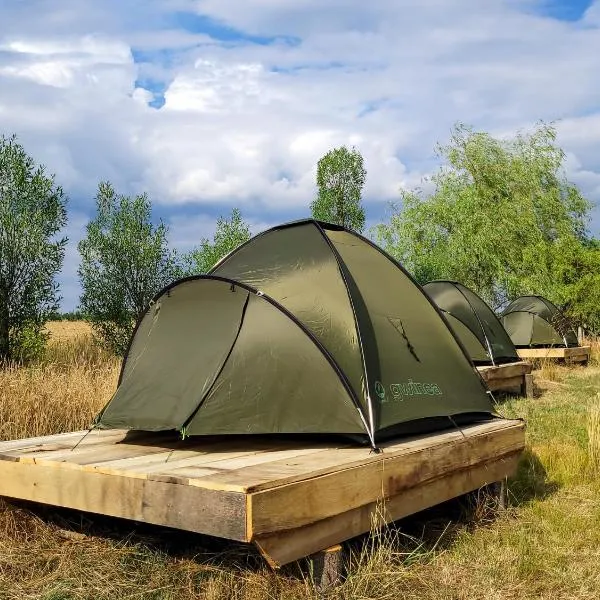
x=4, y=340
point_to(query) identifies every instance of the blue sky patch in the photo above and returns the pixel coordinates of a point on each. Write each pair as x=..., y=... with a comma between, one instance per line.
x=195, y=23
x=564, y=10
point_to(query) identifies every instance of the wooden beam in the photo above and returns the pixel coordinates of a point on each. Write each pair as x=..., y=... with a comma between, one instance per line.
x=326, y=569
x=506, y=384
x=501, y=372
x=300, y=503
x=334, y=460
x=528, y=389
x=286, y=546
x=173, y=505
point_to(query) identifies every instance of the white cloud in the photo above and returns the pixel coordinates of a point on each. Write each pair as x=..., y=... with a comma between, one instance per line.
x=244, y=124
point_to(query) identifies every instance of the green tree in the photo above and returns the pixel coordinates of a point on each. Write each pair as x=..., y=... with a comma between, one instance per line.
x=125, y=261
x=340, y=178
x=499, y=220
x=229, y=234
x=578, y=269
x=32, y=214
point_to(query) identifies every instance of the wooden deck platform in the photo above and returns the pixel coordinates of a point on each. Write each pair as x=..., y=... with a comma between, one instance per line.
x=508, y=377
x=579, y=354
x=291, y=499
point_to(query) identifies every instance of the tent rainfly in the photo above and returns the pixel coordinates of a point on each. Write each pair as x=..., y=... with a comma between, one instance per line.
x=307, y=328
x=474, y=322
x=534, y=321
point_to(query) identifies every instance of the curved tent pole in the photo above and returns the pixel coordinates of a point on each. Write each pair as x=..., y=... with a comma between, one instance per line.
x=327, y=355
x=429, y=300
x=485, y=337
x=212, y=385
x=340, y=262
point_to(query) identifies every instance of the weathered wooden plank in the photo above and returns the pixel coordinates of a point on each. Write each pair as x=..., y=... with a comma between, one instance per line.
x=506, y=384
x=89, y=454
x=303, y=502
x=277, y=473
x=579, y=351
x=60, y=441
x=286, y=546
x=193, y=471
x=506, y=371
x=182, y=507
x=186, y=455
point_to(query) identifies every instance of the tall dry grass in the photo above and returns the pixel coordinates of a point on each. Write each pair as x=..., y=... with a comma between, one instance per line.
x=545, y=546
x=61, y=392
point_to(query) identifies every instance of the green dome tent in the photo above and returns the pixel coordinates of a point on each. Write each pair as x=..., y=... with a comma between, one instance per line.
x=534, y=321
x=307, y=328
x=474, y=323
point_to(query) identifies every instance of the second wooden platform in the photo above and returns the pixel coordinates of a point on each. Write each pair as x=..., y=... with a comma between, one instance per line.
x=508, y=377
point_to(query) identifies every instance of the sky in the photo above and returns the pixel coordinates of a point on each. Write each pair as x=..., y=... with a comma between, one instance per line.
x=208, y=105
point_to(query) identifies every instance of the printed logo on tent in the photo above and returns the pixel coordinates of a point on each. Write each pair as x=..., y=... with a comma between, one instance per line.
x=399, y=391
x=380, y=390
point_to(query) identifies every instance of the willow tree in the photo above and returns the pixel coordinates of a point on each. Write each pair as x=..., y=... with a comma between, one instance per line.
x=125, y=261
x=499, y=220
x=32, y=215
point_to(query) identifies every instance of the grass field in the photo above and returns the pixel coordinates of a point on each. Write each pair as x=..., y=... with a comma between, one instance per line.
x=547, y=545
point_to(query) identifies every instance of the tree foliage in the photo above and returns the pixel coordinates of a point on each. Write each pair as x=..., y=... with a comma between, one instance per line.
x=340, y=178
x=32, y=214
x=501, y=218
x=229, y=234
x=125, y=261
x=578, y=270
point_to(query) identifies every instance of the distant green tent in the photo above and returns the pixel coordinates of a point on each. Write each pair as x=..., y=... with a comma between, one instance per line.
x=534, y=321
x=308, y=328
x=474, y=322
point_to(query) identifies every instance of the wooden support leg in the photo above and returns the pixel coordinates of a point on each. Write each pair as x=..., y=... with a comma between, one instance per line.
x=326, y=568
x=527, y=387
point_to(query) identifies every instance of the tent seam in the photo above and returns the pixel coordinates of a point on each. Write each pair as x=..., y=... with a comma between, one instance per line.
x=212, y=385
x=435, y=307
x=339, y=262
x=485, y=337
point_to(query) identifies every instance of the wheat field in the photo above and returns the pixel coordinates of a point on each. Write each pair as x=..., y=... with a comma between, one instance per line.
x=546, y=545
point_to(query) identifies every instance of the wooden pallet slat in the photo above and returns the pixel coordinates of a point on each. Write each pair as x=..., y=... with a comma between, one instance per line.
x=182, y=507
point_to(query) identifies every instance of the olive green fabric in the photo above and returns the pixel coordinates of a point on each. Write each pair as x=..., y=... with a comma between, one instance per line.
x=306, y=329
x=415, y=368
x=470, y=317
x=296, y=267
x=472, y=345
x=179, y=347
x=276, y=381
x=211, y=357
x=535, y=321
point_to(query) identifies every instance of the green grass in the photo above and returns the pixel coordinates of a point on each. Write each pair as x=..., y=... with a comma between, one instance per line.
x=546, y=545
